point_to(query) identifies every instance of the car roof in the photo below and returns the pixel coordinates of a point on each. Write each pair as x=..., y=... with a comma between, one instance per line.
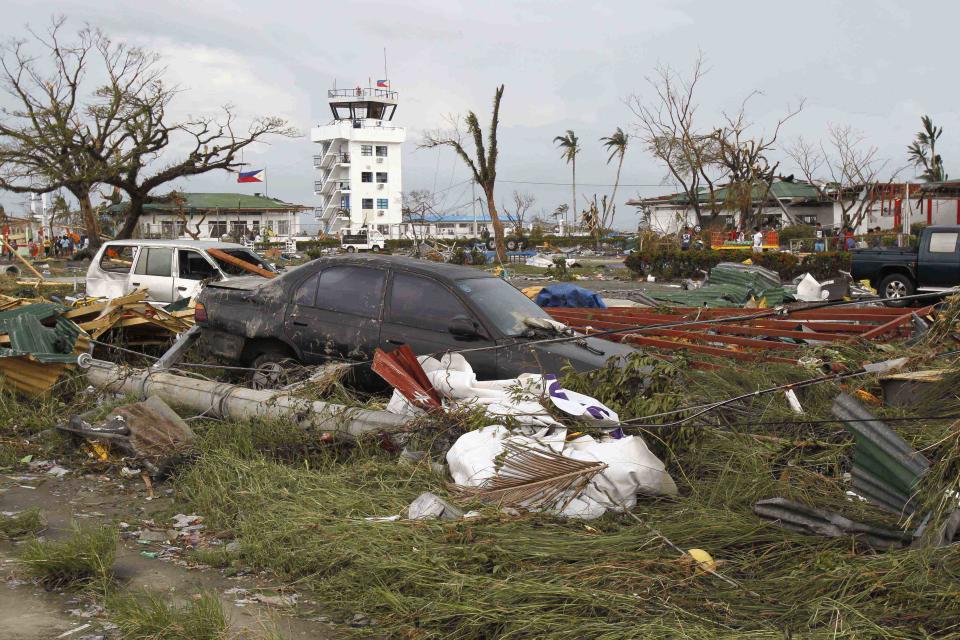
x=186, y=244
x=441, y=270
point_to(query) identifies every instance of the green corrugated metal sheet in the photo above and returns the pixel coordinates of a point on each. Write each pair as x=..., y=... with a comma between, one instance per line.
x=780, y=189
x=729, y=285
x=30, y=337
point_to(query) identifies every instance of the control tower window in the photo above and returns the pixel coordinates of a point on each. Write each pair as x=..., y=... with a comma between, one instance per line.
x=366, y=176
x=367, y=150
x=382, y=177
x=381, y=151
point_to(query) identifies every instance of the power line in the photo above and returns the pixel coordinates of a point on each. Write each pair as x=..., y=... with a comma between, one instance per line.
x=585, y=184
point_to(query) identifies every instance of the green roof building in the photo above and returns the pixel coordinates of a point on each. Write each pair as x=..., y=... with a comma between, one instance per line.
x=215, y=215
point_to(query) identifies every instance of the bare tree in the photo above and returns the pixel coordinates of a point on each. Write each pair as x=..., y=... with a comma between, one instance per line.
x=743, y=155
x=66, y=131
x=521, y=205
x=419, y=209
x=484, y=163
x=597, y=216
x=668, y=128
x=844, y=169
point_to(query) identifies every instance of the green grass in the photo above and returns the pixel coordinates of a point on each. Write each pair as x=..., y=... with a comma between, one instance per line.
x=85, y=557
x=151, y=616
x=543, y=577
x=26, y=523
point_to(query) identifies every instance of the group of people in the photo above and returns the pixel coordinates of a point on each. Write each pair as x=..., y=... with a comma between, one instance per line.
x=690, y=238
x=64, y=246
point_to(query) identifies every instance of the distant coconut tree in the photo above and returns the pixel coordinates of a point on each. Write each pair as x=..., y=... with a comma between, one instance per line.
x=923, y=151
x=570, y=146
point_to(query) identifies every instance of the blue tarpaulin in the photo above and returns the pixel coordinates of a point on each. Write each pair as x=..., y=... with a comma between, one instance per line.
x=569, y=295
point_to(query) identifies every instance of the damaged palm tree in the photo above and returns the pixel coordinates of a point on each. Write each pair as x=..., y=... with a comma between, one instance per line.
x=534, y=479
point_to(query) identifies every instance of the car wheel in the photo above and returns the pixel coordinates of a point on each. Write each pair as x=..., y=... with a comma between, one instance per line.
x=351, y=249
x=270, y=370
x=491, y=245
x=512, y=245
x=895, y=286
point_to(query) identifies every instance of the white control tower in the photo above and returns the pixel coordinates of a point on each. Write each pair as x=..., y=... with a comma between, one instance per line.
x=359, y=162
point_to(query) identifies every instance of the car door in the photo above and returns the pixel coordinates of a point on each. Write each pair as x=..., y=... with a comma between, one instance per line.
x=154, y=271
x=418, y=313
x=336, y=313
x=939, y=260
x=192, y=269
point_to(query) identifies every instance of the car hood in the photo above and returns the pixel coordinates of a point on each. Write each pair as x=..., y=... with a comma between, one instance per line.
x=552, y=357
x=242, y=283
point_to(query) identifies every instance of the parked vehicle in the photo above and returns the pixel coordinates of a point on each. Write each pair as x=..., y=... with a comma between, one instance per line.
x=344, y=307
x=170, y=270
x=363, y=240
x=895, y=272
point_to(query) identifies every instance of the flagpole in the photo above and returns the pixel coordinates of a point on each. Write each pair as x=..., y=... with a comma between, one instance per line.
x=266, y=183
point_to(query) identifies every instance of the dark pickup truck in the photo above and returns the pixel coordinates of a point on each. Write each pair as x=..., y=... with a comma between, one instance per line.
x=933, y=265
x=344, y=307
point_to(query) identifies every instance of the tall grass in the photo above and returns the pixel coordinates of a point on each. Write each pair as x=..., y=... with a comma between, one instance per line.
x=151, y=616
x=83, y=558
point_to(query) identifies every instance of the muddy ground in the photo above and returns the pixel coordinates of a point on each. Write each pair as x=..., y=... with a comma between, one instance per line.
x=29, y=612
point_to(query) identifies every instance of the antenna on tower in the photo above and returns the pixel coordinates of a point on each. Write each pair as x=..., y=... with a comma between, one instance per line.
x=386, y=76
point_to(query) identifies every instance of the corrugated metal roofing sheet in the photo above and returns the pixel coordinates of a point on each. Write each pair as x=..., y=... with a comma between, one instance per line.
x=729, y=285
x=37, y=345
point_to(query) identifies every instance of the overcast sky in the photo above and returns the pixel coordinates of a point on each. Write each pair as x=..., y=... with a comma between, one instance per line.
x=566, y=65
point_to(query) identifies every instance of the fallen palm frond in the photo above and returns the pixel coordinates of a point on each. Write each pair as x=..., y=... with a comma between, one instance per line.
x=534, y=478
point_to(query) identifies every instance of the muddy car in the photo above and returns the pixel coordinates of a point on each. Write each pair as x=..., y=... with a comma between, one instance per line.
x=169, y=270
x=344, y=307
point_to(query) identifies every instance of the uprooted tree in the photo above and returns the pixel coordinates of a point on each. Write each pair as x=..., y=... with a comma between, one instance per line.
x=483, y=165
x=91, y=111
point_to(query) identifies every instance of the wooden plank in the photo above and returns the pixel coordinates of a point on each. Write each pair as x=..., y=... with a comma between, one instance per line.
x=21, y=259
x=243, y=264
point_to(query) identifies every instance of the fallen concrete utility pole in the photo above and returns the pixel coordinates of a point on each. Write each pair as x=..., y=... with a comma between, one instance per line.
x=223, y=400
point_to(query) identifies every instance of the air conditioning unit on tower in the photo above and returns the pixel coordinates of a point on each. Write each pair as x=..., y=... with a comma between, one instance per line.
x=379, y=160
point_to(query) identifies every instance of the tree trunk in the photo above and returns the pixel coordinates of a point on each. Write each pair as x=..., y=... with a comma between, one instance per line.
x=89, y=217
x=573, y=203
x=132, y=218
x=497, y=225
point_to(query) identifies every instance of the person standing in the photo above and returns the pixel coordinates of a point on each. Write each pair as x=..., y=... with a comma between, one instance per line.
x=686, y=238
x=819, y=243
x=757, y=240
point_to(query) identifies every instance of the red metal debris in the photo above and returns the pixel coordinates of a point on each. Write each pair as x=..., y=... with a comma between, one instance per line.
x=749, y=339
x=402, y=370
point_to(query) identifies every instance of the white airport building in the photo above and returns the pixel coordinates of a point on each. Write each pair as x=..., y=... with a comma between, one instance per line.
x=358, y=162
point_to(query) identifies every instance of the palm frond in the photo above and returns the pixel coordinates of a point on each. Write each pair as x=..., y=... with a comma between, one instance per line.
x=533, y=478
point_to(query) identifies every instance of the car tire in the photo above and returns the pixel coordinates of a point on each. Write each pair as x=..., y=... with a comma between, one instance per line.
x=896, y=285
x=491, y=245
x=269, y=369
x=511, y=245
x=351, y=249
x=376, y=249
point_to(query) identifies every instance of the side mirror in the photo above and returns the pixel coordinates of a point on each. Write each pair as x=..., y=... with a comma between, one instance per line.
x=463, y=327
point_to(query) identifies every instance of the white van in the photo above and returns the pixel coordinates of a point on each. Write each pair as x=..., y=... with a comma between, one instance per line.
x=170, y=270
x=363, y=239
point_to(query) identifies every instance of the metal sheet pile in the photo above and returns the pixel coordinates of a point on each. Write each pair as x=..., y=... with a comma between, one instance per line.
x=771, y=339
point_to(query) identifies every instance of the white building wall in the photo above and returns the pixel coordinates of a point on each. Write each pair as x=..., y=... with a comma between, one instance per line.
x=344, y=137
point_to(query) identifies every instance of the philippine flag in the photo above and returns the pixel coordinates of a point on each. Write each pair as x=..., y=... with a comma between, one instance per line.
x=251, y=176
x=383, y=84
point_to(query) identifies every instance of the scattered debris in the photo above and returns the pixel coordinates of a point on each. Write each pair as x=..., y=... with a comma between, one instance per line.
x=797, y=517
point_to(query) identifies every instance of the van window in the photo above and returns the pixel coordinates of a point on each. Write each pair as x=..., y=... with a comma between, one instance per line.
x=155, y=261
x=193, y=266
x=118, y=258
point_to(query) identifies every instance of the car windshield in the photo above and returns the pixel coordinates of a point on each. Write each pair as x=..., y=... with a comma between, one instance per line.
x=501, y=303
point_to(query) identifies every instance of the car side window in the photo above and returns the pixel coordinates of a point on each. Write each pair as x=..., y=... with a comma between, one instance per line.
x=356, y=290
x=193, y=266
x=941, y=242
x=155, y=261
x=118, y=258
x=306, y=293
x=423, y=303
